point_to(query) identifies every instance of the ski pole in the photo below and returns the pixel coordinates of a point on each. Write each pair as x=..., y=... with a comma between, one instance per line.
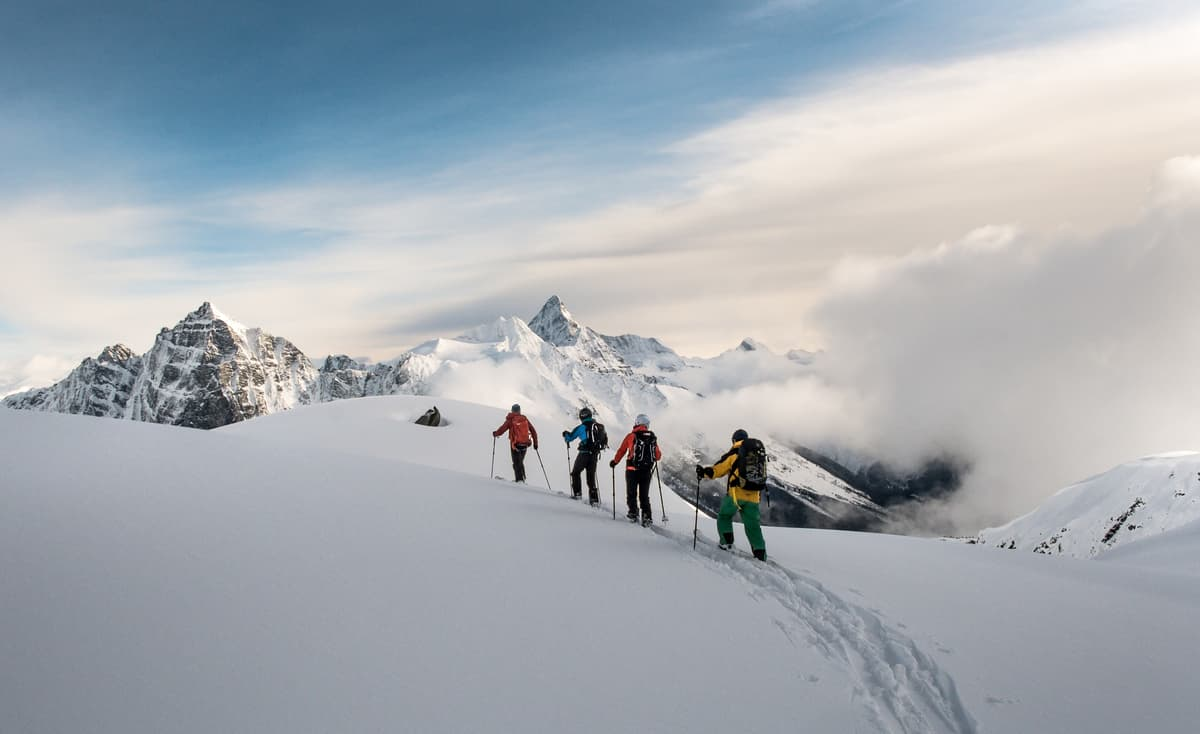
x=661, y=502
x=492, y=473
x=696, y=524
x=570, y=478
x=614, y=472
x=539, y=455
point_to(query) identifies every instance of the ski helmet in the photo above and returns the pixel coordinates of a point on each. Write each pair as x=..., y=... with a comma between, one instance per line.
x=740, y=435
x=516, y=408
x=642, y=420
x=585, y=413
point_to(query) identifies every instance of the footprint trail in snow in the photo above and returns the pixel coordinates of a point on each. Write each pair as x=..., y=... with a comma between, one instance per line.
x=901, y=687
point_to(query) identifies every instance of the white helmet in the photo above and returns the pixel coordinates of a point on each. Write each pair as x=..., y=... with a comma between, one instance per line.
x=642, y=420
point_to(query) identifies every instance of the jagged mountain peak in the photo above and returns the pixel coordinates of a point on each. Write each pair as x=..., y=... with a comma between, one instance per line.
x=555, y=324
x=206, y=315
x=117, y=353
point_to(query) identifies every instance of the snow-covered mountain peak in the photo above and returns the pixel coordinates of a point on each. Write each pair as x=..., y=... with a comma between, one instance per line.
x=209, y=317
x=750, y=345
x=555, y=324
x=507, y=334
x=1129, y=503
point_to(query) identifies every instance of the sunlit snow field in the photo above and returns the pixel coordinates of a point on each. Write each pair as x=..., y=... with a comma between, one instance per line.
x=338, y=568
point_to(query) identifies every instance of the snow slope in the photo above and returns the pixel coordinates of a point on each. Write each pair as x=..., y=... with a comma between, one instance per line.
x=1132, y=502
x=338, y=568
x=1176, y=551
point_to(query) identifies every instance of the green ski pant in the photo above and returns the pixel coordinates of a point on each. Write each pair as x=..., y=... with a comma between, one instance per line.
x=750, y=520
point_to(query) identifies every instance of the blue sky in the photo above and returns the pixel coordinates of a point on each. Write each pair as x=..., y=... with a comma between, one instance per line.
x=466, y=153
x=183, y=97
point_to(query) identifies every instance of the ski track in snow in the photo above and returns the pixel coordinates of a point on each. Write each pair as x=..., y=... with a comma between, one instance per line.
x=901, y=686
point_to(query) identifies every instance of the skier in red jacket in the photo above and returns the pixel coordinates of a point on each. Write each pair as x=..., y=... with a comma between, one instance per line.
x=521, y=434
x=642, y=446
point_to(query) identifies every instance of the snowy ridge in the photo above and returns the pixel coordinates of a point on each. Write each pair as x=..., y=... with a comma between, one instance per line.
x=1134, y=501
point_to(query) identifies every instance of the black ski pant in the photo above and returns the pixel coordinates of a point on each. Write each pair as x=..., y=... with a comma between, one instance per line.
x=585, y=461
x=518, y=458
x=637, y=487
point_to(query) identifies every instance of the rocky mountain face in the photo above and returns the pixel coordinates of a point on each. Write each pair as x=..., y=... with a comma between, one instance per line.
x=555, y=325
x=99, y=387
x=209, y=371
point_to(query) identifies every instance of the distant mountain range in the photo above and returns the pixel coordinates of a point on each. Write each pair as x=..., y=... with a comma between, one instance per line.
x=209, y=371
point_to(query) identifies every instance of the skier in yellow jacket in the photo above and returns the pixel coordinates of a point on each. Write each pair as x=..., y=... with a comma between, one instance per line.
x=743, y=494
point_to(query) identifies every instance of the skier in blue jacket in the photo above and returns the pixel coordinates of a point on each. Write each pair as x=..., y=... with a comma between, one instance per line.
x=592, y=440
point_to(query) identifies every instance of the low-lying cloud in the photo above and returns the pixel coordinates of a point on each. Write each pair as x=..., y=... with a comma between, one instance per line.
x=1041, y=359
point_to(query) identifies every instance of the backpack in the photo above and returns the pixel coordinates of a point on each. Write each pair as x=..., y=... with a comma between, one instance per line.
x=597, y=437
x=642, y=453
x=751, y=464
x=431, y=418
x=520, y=430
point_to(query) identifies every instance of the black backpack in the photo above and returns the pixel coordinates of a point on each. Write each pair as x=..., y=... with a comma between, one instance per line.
x=431, y=418
x=642, y=453
x=597, y=437
x=751, y=464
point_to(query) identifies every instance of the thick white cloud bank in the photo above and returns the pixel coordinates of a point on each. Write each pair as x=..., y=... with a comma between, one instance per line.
x=1044, y=359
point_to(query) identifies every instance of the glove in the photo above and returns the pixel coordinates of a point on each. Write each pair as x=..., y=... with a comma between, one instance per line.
x=535, y=445
x=566, y=434
x=699, y=472
x=613, y=463
x=495, y=434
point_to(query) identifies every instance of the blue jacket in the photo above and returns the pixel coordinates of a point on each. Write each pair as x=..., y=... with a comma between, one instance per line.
x=580, y=432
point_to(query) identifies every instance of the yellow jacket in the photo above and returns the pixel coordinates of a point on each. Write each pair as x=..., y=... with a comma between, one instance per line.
x=725, y=466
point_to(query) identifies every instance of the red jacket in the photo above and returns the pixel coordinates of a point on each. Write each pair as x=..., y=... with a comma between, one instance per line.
x=627, y=446
x=519, y=430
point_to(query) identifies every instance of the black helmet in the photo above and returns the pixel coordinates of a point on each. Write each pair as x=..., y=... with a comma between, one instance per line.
x=740, y=435
x=585, y=413
x=516, y=408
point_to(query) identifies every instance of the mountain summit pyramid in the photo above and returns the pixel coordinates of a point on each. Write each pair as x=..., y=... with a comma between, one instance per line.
x=555, y=324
